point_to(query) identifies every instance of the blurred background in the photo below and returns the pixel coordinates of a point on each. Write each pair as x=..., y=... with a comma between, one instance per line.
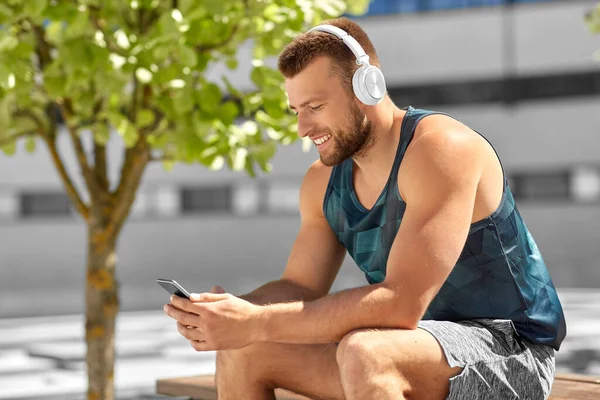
x=522, y=73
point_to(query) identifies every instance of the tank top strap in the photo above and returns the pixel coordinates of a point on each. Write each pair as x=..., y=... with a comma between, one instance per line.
x=409, y=124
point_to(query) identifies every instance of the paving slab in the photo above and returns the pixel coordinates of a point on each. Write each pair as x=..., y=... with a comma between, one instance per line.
x=18, y=362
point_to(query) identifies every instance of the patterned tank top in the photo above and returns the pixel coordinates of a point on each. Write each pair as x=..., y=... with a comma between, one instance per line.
x=500, y=273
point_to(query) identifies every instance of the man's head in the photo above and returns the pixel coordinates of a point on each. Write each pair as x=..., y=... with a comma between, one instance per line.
x=318, y=68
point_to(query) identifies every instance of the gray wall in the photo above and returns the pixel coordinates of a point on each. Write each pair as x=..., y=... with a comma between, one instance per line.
x=39, y=256
x=237, y=253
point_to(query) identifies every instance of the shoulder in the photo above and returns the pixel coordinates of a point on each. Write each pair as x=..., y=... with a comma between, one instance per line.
x=443, y=153
x=313, y=188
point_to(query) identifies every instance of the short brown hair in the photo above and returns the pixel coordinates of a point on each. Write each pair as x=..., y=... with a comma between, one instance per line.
x=306, y=47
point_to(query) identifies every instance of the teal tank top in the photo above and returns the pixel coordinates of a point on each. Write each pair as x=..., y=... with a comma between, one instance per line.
x=500, y=273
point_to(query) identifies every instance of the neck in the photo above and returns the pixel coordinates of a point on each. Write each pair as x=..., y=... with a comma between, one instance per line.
x=376, y=161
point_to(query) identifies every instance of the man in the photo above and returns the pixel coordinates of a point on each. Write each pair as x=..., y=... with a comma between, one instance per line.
x=459, y=303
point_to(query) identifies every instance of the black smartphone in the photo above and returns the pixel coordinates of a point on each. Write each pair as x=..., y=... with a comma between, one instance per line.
x=173, y=287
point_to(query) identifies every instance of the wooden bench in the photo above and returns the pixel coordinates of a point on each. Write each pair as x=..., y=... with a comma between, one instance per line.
x=566, y=387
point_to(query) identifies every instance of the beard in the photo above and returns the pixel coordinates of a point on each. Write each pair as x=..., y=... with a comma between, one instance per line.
x=353, y=140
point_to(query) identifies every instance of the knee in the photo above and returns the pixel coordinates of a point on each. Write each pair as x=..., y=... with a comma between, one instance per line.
x=238, y=358
x=357, y=354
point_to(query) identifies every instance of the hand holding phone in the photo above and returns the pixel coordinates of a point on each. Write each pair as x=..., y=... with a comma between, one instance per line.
x=173, y=287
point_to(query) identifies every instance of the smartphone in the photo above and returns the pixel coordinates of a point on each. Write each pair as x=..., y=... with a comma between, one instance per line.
x=173, y=287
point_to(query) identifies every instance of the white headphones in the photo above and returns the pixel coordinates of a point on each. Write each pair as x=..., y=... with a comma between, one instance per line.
x=368, y=82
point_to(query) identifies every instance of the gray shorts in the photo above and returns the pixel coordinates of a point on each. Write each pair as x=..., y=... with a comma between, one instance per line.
x=497, y=362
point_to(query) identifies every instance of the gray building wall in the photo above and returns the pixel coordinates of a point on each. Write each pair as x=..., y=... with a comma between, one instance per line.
x=243, y=250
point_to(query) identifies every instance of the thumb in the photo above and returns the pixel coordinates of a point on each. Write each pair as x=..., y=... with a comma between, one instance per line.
x=208, y=297
x=217, y=289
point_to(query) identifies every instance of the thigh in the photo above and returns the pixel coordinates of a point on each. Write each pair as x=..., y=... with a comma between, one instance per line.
x=307, y=369
x=412, y=357
x=497, y=363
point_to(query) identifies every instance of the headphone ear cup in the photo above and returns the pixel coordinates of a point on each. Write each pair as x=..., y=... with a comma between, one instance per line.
x=356, y=84
x=369, y=85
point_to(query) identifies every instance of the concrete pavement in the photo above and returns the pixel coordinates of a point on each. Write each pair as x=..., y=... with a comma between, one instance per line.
x=44, y=357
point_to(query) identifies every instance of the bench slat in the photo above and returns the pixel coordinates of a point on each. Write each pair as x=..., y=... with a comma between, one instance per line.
x=203, y=388
x=577, y=378
x=574, y=390
x=566, y=387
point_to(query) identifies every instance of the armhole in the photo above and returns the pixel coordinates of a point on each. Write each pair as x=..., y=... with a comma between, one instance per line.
x=504, y=177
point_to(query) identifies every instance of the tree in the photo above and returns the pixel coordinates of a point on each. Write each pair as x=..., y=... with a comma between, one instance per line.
x=88, y=68
x=592, y=19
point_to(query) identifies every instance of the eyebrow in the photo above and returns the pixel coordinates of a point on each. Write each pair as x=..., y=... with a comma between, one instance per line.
x=314, y=98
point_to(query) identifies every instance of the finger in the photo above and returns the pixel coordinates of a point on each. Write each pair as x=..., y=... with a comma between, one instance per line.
x=217, y=289
x=208, y=297
x=184, y=317
x=181, y=303
x=201, y=346
x=190, y=332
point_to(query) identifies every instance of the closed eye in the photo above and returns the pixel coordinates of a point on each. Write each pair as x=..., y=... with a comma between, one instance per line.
x=317, y=108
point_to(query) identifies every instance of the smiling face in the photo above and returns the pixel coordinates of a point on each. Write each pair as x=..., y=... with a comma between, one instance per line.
x=327, y=112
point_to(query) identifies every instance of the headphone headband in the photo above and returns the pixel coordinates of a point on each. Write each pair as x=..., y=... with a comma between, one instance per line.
x=362, y=58
x=368, y=82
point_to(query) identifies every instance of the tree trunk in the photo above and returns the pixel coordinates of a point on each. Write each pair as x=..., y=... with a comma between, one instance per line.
x=102, y=305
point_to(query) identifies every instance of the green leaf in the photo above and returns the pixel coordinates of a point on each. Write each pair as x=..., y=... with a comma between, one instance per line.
x=250, y=169
x=209, y=98
x=239, y=159
x=4, y=74
x=145, y=117
x=188, y=56
x=34, y=7
x=6, y=11
x=101, y=134
x=54, y=32
x=55, y=85
x=30, y=143
x=5, y=113
x=264, y=152
x=230, y=88
x=228, y=112
x=168, y=165
x=125, y=129
x=7, y=43
x=78, y=26
x=214, y=6
x=231, y=63
x=10, y=148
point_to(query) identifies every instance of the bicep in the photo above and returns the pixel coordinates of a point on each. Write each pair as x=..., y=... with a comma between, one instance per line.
x=316, y=255
x=315, y=259
x=435, y=225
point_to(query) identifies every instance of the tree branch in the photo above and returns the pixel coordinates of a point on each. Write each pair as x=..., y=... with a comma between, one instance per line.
x=98, y=24
x=96, y=192
x=136, y=159
x=158, y=117
x=43, y=48
x=100, y=170
x=57, y=161
x=161, y=158
x=69, y=187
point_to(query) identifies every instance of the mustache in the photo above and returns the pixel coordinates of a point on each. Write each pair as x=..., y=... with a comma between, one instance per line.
x=319, y=131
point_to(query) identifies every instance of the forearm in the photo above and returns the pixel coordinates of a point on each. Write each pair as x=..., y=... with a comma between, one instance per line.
x=279, y=291
x=330, y=318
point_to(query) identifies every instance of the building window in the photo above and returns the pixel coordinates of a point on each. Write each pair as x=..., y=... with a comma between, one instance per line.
x=542, y=186
x=585, y=184
x=283, y=198
x=215, y=199
x=45, y=204
x=246, y=200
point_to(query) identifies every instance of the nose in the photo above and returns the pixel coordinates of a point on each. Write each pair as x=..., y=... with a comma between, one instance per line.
x=304, y=126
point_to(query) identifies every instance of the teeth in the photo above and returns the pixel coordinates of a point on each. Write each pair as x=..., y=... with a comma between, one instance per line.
x=322, y=140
